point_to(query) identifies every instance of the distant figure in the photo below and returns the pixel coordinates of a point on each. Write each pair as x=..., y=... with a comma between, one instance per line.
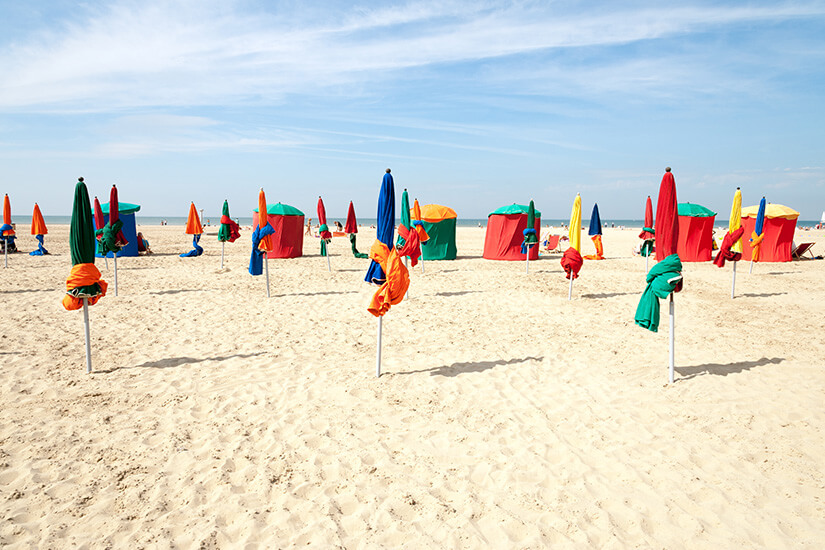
x=338, y=226
x=309, y=228
x=143, y=244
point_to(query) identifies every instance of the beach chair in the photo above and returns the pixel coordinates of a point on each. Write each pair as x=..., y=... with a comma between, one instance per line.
x=551, y=243
x=798, y=252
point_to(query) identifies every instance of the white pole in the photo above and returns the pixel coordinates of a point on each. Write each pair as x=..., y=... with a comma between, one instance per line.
x=751, y=269
x=528, y=260
x=115, y=253
x=329, y=268
x=6, y=249
x=570, y=290
x=266, y=265
x=407, y=267
x=647, y=259
x=106, y=261
x=223, y=246
x=733, y=281
x=88, y=343
x=378, y=351
x=672, y=336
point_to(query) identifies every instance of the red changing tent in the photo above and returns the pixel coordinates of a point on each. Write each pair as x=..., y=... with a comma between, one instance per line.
x=695, y=233
x=505, y=233
x=288, y=223
x=779, y=227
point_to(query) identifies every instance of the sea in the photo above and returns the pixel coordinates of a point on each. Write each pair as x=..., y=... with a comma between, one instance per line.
x=460, y=222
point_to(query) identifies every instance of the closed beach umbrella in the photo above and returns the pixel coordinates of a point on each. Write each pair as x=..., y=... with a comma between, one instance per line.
x=194, y=228
x=385, y=226
x=665, y=277
x=758, y=233
x=100, y=222
x=648, y=234
x=731, y=248
x=229, y=230
x=406, y=221
x=261, y=241
x=110, y=238
x=323, y=230
x=84, y=286
x=595, y=232
x=667, y=218
x=418, y=223
x=6, y=230
x=351, y=228
x=38, y=230
x=530, y=236
x=572, y=259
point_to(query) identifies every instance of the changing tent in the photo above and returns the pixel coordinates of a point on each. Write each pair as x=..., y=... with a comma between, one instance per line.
x=695, y=243
x=439, y=223
x=288, y=223
x=126, y=213
x=505, y=233
x=779, y=227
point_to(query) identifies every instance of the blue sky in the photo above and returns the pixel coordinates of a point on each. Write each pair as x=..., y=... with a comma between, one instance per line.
x=472, y=104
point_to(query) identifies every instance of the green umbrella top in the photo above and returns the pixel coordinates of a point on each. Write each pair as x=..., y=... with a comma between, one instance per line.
x=530, y=237
x=405, y=216
x=84, y=280
x=229, y=230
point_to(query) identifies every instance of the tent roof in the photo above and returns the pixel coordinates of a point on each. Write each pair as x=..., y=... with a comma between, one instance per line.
x=695, y=210
x=436, y=213
x=771, y=211
x=122, y=208
x=281, y=210
x=513, y=209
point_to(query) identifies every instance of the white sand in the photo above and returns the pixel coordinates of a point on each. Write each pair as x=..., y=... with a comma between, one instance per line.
x=508, y=417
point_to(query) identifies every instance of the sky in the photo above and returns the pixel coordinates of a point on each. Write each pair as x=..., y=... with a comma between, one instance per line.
x=472, y=104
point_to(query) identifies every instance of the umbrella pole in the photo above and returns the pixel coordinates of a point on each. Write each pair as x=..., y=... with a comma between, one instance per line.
x=223, y=246
x=672, y=337
x=378, y=352
x=407, y=267
x=647, y=260
x=88, y=343
x=106, y=261
x=751, y=268
x=6, y=251
x=115, y=253
x=266, y=265
x=527, y=269
x=329, y=267
x=570, y=290
x=733, y=281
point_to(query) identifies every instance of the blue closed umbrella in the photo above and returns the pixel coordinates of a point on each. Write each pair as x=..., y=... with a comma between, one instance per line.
x=758, y=233
x=595, y=222
x=386, y=226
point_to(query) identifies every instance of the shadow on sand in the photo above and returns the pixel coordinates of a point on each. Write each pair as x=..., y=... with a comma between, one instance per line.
x=609, y=294
x=718, y=369
x=178, y=361
x=460, y=368
x=322, y=293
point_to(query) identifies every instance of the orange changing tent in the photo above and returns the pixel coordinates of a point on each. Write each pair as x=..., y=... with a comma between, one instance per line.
x=779, y=227
x=505, y=233
x=288, y=223
x=695, y=243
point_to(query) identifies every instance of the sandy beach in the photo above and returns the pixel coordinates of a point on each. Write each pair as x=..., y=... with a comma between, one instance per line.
x=506, y=417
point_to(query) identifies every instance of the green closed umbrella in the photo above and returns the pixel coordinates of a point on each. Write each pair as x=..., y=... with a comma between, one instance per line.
x=530, y=237
x=229, y=230
x=84, y=286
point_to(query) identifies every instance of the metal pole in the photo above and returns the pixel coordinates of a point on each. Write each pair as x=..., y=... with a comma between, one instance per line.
x=570, y=290
x=88, y=343
x=378, y=351
x=223, y=246
x=266, y=265
x=647, y=259
x=751, y=269
x=106, y=261
x=329, y=268
x=6, y=249
x=407, y=267
x=672, y=336
x=115, y=253
x=528, y=261
x=733, y=281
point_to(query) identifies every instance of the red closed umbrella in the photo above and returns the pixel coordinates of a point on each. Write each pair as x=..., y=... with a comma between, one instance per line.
x=323, y=231
x=351, y=225
x=667, y=218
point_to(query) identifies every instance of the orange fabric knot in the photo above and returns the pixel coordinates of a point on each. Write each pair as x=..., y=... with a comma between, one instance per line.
x=756, y=245
x=398, y=279
x=83, y=275
x=599, y=255
x=572, y=262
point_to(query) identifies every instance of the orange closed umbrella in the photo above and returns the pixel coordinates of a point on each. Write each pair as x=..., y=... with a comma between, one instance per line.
x=38, y=230
x=193, y=227
x=6, y=230
x=263, y=219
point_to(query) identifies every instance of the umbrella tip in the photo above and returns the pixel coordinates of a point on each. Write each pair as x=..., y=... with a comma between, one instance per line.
x=80, y=179
x=388, y=170
x=667, y=169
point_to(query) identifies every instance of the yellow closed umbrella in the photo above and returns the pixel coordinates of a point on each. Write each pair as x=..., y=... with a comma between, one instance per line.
x=575, y=234
x=736, y=219
x=572, y=260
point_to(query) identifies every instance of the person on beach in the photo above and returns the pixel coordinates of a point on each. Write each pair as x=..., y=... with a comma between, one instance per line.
x=143, y=244
x=309, y=228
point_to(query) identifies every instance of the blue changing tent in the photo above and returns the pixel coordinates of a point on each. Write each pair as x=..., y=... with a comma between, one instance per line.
x=126, y=212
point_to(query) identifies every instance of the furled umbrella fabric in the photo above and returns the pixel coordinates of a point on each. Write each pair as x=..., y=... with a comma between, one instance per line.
x=84, y=279
x=194, y=228
x=351, y=228
x=100, y=222
x=323, y=229
x=385, y=227
x=407, y=223
x=418, y=223
x=229, y=230
x=731, y=248
x=648, y=234
x=595, y=232
x=261, y=237
x=662, y=279
x=667, y=218
x=397, y=278
x=110, y=236
x=6, y=230
x=572, y=260
x=405, y=216
x=38, y=230
x=758, y=233
x=530, y=237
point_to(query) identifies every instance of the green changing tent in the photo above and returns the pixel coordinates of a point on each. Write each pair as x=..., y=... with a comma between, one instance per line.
x=439, y=223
